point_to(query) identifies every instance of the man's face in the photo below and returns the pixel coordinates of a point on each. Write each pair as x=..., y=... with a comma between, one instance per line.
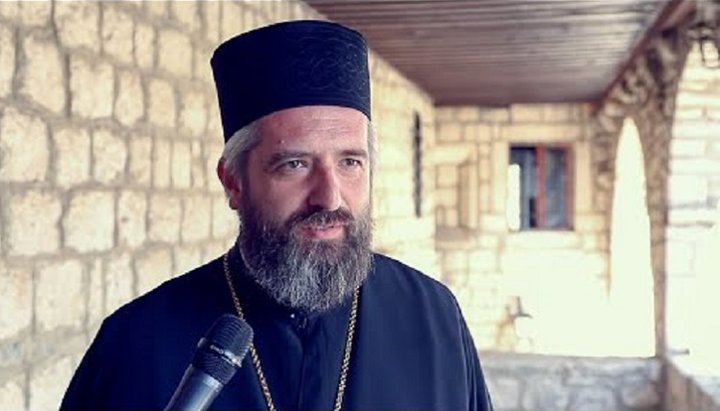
x=310, y=158
x=304, y=206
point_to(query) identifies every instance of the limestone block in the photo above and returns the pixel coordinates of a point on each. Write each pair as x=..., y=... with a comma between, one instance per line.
x=7, y=56
x=485, y=171
x=505, y=392
x=446, y=197
x=447, y=176
x=181, y=164
x=680, y=257
x=131, y=209
x=482, y=260
x=684, y=114
x=91, y=101
x=193, y=114
x=16, y=305
x=715, y=149
x=538, y=133
x=213, y=26
x=251, y=19
x=10, y=9
x=77, y=24
x=153, y=268
x=687, y=99
x=90, y=221
x=478, y=132
x=590, y=223
x=186, y=12
x=232, y=20
x=109, y=156
x=449, y=132
x=32, y=223
x=42, y=79
x=527, y=113
x=492, y=223
x=47, y=384
x=35, y=13
x=449, y=153
x=12, y=396
x=452, y=218
x=224, y=220
x=96, y=290
x=161, y=163
x=697, y=166
x=117, y=33
x=595, y=399
x=161, y=107
x=558, y=113
x=130, y=102
x=72, y=161
x=198, y=165
x=687, y=148
x=500, y=159
x=187, y=258
x=695, y=130
x=467, y=114
x=157, y=9
x=546, y=393
x=144, y=39
x=494, y=115
x=60, y=295
x=175, y=52
x=23, y=159
x=118, y=281
x=640, y=396
x=196, y=219
x=164, y=218
x=140, y=160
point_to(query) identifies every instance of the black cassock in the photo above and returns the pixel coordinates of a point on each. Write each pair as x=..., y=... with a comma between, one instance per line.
x=412, y=349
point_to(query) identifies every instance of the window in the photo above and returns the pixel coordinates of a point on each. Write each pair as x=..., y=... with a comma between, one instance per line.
x=417, y=165
x=539, y=187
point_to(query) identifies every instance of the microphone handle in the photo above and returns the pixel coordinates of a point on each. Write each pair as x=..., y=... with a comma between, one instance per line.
x=196, y=391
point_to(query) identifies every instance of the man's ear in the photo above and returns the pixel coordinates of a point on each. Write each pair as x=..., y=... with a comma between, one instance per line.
x=230, y=183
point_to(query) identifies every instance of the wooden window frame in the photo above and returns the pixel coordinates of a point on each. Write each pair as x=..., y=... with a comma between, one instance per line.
x=540, y=209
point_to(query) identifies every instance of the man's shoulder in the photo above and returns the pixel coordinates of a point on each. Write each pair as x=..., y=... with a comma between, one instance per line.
x=394, y=274
x=174, y=297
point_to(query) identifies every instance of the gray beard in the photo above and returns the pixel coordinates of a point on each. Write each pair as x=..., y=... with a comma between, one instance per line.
x=307, y=275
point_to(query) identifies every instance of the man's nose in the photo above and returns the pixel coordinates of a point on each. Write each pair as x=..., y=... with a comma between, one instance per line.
x=325, y=192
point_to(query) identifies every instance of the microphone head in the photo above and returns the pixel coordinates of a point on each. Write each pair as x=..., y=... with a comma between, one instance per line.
x=221, y=351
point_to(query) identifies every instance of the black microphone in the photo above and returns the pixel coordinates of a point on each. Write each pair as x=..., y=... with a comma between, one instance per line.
x=217, y=357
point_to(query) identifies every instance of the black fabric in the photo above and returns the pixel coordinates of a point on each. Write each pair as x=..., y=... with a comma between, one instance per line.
x=290, y=64
x=412, y=350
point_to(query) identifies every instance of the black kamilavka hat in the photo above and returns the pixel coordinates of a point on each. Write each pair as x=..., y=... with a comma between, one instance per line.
x=290, y=64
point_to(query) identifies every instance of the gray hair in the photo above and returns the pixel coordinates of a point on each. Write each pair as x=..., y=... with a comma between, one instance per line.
x=238, y=148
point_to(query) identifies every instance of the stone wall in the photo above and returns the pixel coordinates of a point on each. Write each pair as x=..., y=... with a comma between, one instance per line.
x=693, y=201
x=485, y=263
x=109, y=137
x=533, y=383
x=691, y=385
x=646, y=93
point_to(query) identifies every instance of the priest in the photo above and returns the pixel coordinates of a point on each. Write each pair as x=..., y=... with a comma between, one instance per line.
x=336, y=326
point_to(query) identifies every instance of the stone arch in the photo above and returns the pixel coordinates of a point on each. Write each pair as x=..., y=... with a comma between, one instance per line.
x=646, y=93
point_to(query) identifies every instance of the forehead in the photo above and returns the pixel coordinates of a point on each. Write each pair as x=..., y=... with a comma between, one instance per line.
x=316, y=125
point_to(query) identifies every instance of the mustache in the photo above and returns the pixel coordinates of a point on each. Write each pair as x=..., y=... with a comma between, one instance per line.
x=321, y=217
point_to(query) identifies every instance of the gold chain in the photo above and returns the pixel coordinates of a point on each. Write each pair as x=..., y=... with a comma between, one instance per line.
x=256, y=358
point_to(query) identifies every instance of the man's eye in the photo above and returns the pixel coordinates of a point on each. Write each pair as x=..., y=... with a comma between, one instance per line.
x=351, y=162
x=292, y=165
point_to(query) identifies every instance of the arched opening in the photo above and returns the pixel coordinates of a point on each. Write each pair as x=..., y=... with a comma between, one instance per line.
x=631, y=279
